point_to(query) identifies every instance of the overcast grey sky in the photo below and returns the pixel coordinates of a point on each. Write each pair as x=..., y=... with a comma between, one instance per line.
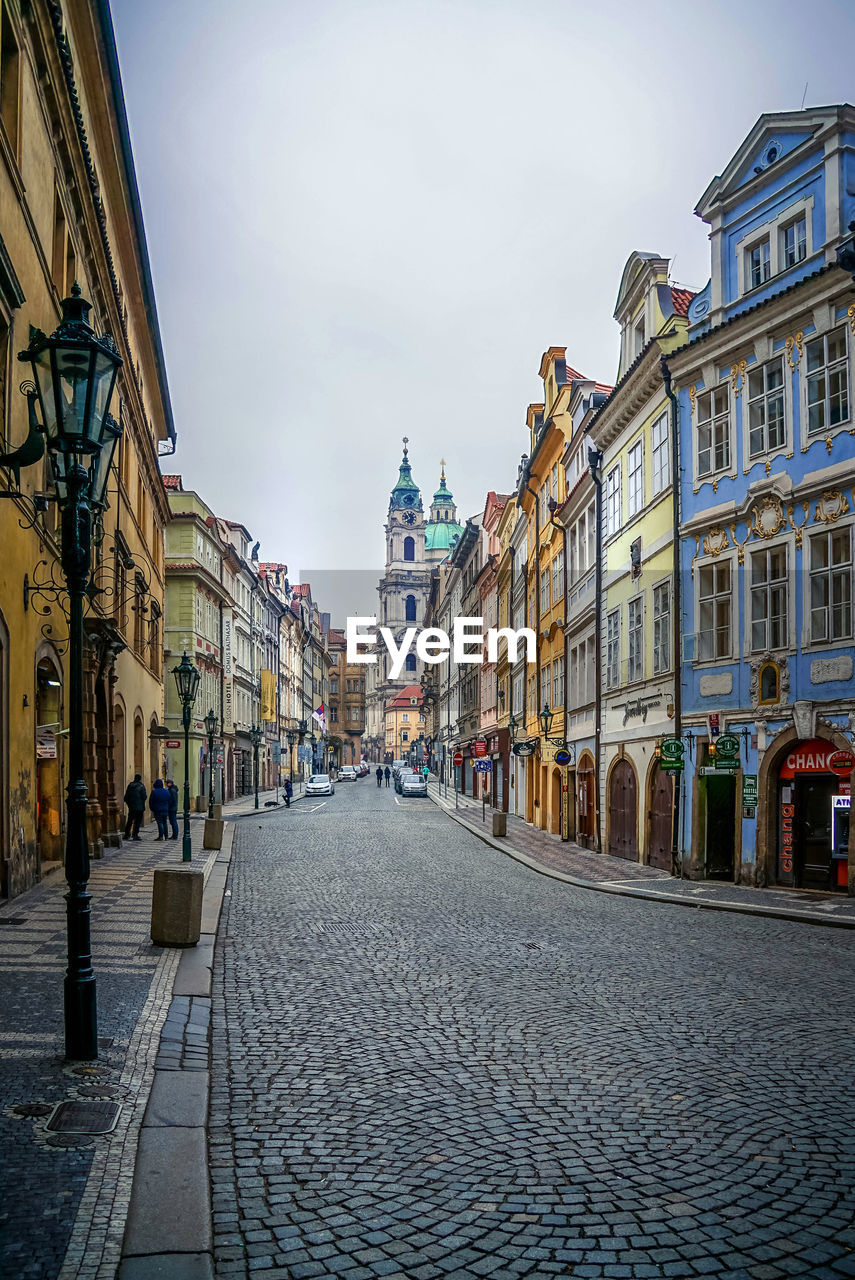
x=368, y=220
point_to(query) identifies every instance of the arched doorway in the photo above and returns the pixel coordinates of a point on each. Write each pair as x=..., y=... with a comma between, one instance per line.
x=121, y=779
x=623, y=811
x=812, y=819
x=660, y=807
x=586, y=800
x=139, y=749
x=555, y=803
x=48, y=776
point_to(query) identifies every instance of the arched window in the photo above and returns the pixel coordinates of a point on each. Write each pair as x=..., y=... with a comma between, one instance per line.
x=411, y=662
x=409, y=549
x=411, y=608
x=770, y=683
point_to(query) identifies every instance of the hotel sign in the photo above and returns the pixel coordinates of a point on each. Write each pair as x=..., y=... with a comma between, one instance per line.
x=228, y=682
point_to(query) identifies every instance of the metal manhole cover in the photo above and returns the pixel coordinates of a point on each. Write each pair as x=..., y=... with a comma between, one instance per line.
x=4, y=920
x=84, y=1117
x=69, y=1140
x=99, y=1091
x=32, y=1109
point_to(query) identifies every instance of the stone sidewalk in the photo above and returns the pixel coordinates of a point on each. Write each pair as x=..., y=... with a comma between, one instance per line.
x=567, y=861
x=64, y=1197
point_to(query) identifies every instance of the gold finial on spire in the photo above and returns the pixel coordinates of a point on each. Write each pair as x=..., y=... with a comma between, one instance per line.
x=406, y=442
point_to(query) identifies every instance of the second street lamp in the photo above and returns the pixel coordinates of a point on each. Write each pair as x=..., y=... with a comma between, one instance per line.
x=211, y=730
x=256, y=733
x=187, y=677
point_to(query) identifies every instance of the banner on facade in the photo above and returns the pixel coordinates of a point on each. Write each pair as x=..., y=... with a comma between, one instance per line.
x=228, y=686
x=268, y=696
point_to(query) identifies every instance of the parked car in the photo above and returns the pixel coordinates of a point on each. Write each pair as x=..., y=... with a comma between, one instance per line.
x=403, y=773
x=347, y=773
x=413, y=784
x=363, y=767
x=320, y=784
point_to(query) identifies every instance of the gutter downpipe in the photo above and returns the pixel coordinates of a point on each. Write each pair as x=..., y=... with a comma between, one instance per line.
x=677, y=609
x=538, y=702
x=595, y=462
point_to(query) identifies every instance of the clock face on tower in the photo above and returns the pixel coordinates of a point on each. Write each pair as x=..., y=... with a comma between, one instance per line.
x=409, y=517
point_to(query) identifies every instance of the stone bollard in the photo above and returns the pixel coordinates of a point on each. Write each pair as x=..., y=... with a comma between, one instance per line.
x=500, y=824
x=176, y=906
x=213, y=838
x=218, y=811
x=201, y=804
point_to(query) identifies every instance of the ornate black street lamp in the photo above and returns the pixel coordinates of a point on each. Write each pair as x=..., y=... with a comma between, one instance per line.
x=74, y=375
x=256, y=734
x=546, y=717
x=513, y=727
x=187, y=677
x=211, y=730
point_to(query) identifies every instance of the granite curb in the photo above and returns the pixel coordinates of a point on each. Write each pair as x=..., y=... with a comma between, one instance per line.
x=168, y=1227
x=650, y=895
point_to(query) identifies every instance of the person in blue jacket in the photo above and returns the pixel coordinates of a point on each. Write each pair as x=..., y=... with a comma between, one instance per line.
x=158, y=802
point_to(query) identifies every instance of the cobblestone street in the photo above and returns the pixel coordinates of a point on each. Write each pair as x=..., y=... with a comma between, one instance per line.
x=429, y=1061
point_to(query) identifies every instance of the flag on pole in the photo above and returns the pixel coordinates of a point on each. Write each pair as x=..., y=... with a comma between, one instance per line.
x=320, y=715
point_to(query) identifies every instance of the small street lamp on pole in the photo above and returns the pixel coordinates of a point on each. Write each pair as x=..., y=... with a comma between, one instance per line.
x=256, y=733
x=187, y=677
x=292, y=741
x=74, y=373
x=211, y=730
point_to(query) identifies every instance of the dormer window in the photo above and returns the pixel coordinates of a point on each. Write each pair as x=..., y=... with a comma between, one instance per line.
x=759, y=264
x=794, y=242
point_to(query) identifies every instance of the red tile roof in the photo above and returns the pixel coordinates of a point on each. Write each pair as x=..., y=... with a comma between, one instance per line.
x=403, y=696
x=681, y=299
x=172, y=482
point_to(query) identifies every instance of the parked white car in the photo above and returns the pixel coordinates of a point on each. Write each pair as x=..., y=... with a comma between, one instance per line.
x=320, y=784
x=347, y=773
x=413, y=784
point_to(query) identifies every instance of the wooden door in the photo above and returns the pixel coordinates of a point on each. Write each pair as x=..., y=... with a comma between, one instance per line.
x=661, y=819
x=623, y=812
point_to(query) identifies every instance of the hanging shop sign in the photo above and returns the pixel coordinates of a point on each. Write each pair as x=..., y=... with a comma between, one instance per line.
x=525, y=748
x=671, y=755
x=727, y=745
x=479, y=748
x=562, y=757
x=842, y=763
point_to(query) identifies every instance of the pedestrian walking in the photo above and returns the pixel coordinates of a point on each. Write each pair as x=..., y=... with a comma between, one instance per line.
x=158, y=802
x=289, y=791
x=172, y=788
x=379, y=775
x=387, y=772
x=135, y=798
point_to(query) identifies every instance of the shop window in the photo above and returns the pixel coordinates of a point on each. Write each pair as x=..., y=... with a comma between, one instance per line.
x=770, y=683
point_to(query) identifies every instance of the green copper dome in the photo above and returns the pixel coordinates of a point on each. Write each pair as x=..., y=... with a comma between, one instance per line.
x=406, y=492
x=442, y=536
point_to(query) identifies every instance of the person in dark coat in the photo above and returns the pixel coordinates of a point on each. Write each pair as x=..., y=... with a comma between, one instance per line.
x=173, y=807
x=387, y=773
x=135, y=798
x=158, y=802
x=379, y=775
x=289, y=791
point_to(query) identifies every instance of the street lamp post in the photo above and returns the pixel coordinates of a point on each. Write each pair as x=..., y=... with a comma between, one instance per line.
x=255, y=733
x=211, y=729
x=292, y=740
x=187, y=677
x=74, y=374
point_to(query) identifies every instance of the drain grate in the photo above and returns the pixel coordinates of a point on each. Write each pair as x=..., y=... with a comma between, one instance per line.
x=84, y=1117
x=4, y=920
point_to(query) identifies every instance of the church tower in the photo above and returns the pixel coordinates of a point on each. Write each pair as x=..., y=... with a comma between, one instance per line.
x=442, y=530
x=406, y=582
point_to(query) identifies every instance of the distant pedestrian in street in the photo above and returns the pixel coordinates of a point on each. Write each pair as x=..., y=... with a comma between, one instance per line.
x=387, y=772
x=379, y=776
x=173, y=807
x=158, y=802
x=289, y=791
x=135, y=798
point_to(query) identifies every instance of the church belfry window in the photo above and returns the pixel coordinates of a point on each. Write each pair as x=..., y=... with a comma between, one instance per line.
x=409, y=548
x=411, y=662
x=410, y=605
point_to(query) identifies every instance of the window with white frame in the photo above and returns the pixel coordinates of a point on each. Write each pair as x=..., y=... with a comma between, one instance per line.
x=557, y=683
x=715, y=607
x=544, y=590
x=713, y=431
x=827, y=381
x=558, y=577
x=519, y=694
x=661, y=627
x=831, y=585
x=635, y=638
x=758, y=263
x=794, y=243
x=769, y=599
x=660, y=457
x=635, y=478
x=532, y=697
x=766, y=429
x=612, y=649
x=613, y=500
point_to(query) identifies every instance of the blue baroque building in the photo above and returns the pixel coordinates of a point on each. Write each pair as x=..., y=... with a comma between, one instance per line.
x=767, y=506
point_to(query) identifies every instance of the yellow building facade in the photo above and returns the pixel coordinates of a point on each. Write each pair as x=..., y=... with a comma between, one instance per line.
x=70, y=212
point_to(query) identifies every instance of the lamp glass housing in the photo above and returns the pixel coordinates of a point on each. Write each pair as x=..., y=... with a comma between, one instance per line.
x=211, y=723
x=187, y=677
x=100, y=472
x=513, y=727
x=546, y=717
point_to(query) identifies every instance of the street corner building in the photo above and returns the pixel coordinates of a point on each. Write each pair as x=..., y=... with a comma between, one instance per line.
x=70, y=219
x=766, y=532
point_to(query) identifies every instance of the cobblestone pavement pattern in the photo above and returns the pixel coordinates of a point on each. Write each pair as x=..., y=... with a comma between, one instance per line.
x=429, y=1061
